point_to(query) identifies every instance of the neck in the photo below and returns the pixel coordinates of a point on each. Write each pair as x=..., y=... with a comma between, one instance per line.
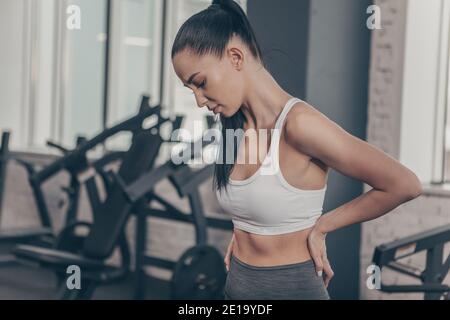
x=264, y=101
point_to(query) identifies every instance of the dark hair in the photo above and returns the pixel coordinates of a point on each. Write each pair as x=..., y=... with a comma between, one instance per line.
x=208, y=32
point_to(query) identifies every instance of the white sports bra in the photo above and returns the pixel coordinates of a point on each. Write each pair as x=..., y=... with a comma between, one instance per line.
x=265, y=203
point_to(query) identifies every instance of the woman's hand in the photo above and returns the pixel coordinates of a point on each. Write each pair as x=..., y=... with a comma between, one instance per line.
x=228, y=254
x=318, y=251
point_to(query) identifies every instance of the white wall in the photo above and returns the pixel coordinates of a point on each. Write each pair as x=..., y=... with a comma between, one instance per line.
x=424, y=72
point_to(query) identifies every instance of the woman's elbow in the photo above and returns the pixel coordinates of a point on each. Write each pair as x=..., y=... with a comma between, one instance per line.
x=412, y=188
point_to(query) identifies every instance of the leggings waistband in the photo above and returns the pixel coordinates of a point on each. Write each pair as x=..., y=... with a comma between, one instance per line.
x=276, y=267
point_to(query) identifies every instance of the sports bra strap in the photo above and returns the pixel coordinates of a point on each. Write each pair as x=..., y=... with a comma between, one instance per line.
x=271, y=163
x=284, y=112
x=279, y=124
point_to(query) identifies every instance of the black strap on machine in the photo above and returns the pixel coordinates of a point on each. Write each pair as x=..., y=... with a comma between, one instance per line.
x=436, y=268
x=4, y=154
x=210, y=121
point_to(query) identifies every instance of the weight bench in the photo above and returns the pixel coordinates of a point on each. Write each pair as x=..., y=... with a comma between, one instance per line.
x=433, y=241
x=106, y=231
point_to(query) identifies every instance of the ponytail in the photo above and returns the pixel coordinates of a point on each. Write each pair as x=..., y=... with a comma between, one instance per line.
x=208, y=32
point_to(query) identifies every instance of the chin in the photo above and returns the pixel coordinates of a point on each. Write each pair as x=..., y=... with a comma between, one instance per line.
x=227, y=114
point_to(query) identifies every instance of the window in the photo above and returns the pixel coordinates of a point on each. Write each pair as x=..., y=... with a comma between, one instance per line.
x=53, y=79
x=135, y=59
x=444, y=89
x=15, y=71
x=422, y=120
x=83, y=72
x=441, y=172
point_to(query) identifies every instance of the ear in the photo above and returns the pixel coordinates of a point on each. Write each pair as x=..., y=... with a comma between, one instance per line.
x=236, y=57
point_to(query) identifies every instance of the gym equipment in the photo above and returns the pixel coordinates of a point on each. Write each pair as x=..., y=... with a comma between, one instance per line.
x=210, y=121
x=205, y=280
x=76, y=163
x=44, y=235
x=433, y=241
x=4, y=156
x=106, y=231
x=211, y=280
x=199, y=274
x=23, y=234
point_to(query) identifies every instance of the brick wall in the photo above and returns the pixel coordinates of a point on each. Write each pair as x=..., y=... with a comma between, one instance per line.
x=384, y=112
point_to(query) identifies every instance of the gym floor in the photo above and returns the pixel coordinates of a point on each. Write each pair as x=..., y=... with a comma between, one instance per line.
x=29, y=283
x=25, y=283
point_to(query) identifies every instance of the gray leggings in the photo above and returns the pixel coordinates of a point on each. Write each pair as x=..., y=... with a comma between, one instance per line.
x=297, y=281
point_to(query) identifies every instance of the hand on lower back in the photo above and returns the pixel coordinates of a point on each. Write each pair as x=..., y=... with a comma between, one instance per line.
x=228, y=254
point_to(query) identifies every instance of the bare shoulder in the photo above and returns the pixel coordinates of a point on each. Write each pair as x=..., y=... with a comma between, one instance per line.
x=302, y=107
x=300, y=120
x=294, y=129
x=311, y=132
x=300, y=110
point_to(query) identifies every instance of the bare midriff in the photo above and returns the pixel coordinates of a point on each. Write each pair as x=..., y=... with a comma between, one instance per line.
x=271, y=250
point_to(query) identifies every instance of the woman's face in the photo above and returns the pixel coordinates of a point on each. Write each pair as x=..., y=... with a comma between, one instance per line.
x=216, y=83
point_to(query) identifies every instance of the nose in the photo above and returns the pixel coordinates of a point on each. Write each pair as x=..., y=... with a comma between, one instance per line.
x=201, y=100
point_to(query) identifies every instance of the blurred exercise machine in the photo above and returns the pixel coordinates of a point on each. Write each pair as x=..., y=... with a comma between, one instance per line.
x=77, y=164
x=105, y=233
x=130, y=190
x=436, y=268
x=200, y=272
x=4, y=155
x=42, y=234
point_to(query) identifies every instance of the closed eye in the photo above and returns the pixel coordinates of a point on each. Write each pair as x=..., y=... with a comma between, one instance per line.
x=202, y=85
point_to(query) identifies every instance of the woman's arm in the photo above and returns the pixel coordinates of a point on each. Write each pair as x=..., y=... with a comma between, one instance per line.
x=312, y=133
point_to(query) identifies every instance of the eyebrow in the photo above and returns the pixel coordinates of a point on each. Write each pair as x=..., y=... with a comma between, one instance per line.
x=191, y=78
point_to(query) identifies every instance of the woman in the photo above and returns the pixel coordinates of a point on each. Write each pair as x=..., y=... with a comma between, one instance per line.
x=278, y=249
